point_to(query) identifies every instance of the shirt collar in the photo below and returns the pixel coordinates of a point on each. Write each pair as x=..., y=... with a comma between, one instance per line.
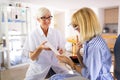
x=41, y=31
x=93, y=40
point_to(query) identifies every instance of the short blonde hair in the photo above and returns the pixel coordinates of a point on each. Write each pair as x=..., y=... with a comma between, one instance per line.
x=42, y=12
x=87, y=23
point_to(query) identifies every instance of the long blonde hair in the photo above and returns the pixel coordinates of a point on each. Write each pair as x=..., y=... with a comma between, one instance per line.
x=87, y=23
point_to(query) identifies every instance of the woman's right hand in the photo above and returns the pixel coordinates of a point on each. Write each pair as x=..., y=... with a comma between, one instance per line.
x=68, y=61
x=65, y=59
x=78, y=44
x=43, y=46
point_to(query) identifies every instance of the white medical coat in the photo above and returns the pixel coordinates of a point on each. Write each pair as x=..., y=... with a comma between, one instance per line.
x=39, y=68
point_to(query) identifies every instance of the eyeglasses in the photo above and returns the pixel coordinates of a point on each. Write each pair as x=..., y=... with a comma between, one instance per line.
x=46, y=18
x=74, y=26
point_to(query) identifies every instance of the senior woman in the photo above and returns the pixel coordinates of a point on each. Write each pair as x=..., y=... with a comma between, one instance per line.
x=44, y=62
x=96, y=61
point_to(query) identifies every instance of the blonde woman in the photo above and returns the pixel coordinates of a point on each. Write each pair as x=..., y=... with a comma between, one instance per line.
x=96, y=62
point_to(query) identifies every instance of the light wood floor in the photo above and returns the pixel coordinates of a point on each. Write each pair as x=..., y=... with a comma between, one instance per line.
x=16, y=73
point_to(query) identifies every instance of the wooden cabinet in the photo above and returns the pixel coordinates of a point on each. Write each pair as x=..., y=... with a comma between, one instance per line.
x=110, y=39
x=111, y=15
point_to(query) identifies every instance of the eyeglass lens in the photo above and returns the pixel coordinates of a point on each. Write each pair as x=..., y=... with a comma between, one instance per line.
x=44, y=18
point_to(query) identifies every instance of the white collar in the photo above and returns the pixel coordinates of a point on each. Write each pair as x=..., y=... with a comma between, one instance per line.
x=41, y=31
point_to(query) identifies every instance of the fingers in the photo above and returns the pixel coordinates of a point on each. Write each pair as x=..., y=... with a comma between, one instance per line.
x=79, y=44
x=42, y=46
x=44, y=42
x=60, y=57
x=77, y=39
x=61, y=51
x=63, y=59
x=46, y=48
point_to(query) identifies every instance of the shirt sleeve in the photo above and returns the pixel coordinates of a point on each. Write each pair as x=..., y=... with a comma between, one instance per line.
x=94, y=64
x=29, y=45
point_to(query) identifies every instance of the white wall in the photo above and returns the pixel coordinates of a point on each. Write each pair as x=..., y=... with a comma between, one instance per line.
x=68, y=30
x=60, y=22
x=4, y=1
x=101, y=17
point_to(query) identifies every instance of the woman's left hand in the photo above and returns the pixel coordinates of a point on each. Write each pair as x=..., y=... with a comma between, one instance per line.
x=61, y=51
